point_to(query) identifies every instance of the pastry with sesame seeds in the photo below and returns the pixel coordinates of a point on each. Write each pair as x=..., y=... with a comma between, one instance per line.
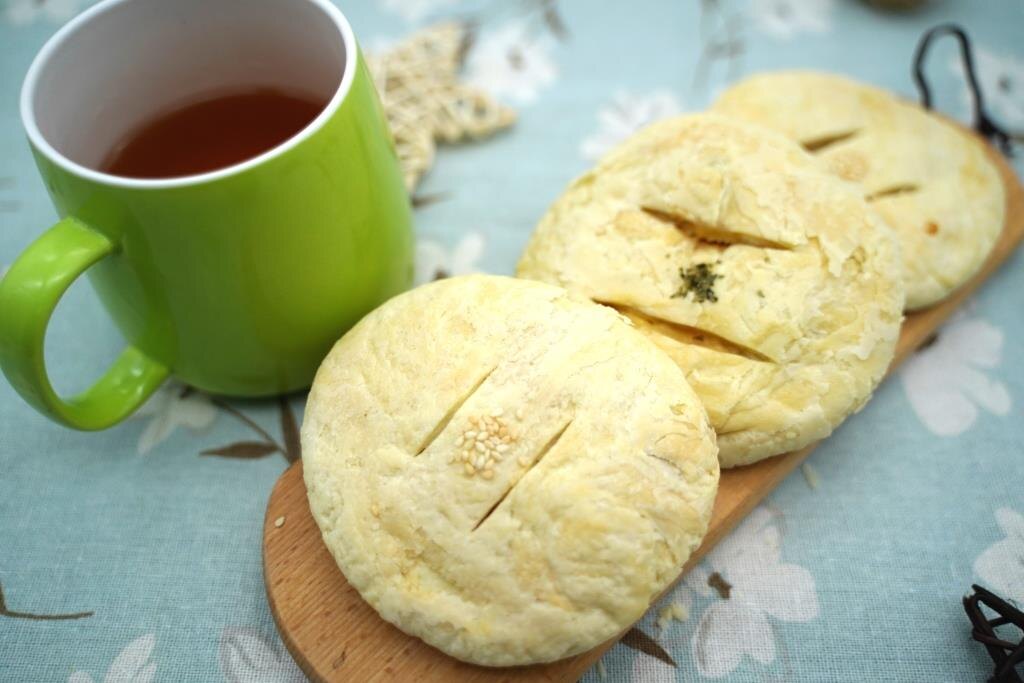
x=507, y=472
x=769, y=281
x=931, y=181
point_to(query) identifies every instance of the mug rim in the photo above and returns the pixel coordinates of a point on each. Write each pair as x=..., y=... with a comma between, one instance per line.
x=40, y=143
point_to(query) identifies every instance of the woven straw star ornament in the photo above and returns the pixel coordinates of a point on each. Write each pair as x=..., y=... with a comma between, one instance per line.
x=418, y=81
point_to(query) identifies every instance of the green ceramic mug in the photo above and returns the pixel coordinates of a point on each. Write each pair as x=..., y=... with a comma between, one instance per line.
x=236, y=281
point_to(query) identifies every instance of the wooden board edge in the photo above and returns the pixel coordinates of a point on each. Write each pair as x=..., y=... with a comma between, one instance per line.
x=293, y=471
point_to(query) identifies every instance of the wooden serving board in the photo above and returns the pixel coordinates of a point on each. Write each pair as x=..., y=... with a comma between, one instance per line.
x=335, y=636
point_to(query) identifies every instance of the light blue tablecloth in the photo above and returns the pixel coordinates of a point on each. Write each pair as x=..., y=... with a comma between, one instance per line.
x=851, y=571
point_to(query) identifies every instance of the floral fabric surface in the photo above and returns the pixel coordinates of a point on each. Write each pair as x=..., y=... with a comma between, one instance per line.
x=133, y=554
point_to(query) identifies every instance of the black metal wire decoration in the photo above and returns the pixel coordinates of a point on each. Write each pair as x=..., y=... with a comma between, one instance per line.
x=982, y=122
x=1006, y=654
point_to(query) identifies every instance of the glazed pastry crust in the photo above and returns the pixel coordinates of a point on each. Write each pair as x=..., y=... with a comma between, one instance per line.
x=810, y=296
x=934, y=184
x=538, y=550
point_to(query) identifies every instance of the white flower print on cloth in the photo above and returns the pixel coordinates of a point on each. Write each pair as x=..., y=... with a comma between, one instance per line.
x=1001, y=78
x=1000, y=567
x=511, y=63
x=747, y=567
x=624, y=115
x=786, y=19
x=652, y=670
x=434, y=261
x=133, y=665
x=414, y=10
x=173, y=405
x=24, y=12
x=946, y=382
x=246, y=656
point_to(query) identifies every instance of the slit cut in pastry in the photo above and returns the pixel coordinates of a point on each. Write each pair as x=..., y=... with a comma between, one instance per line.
x=713, y=234
x=931, y=181
x=507, y=472
x=892, y=190
x=825, y=141
x=532, y=463
x=782, y=331
x=451, y=413
x=686, y=334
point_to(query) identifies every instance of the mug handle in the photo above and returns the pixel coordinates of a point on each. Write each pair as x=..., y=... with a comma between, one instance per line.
x=28, y=294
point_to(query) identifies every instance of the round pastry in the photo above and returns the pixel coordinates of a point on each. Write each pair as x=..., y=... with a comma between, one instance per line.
x=509, y=474
x=769, y=281
x=932, y=182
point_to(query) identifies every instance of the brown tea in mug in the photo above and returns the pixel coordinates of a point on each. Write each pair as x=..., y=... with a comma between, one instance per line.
x=211, y=134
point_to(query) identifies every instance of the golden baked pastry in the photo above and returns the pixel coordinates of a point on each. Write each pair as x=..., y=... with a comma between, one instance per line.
x=769, y=281
x=509, y=474
x=931, y=181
